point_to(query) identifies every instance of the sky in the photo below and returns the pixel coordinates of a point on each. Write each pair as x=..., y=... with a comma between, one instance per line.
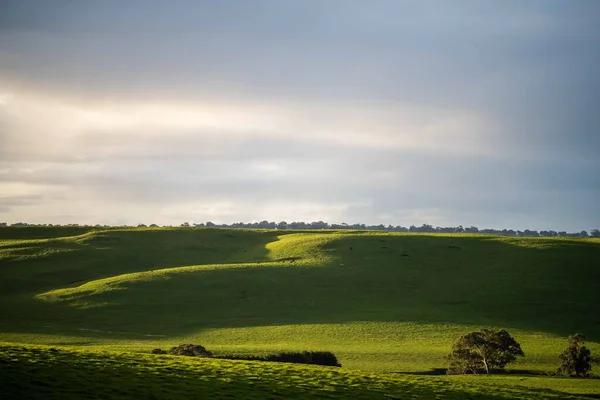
x=469, y=112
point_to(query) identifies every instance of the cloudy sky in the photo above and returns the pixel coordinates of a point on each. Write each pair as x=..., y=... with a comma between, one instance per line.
x=470, y=112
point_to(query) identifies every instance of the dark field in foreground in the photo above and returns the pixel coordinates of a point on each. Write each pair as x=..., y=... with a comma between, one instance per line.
x=39, y=373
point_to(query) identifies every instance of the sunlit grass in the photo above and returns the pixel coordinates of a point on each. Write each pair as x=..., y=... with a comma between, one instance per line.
x=382, y=302
x=38, y=372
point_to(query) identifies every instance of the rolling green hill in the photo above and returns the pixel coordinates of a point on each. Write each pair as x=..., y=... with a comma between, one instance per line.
x=42, y=373
x=382, y=302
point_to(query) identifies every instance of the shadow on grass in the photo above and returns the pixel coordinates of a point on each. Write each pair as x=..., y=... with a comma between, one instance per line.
x=35, y=232
x=37, y=267
x=509, y=372
x=429, y=372
x=428, y=279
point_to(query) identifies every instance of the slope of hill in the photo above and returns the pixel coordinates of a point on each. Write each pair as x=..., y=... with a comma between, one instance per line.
x=42, y=373
x=379, y=301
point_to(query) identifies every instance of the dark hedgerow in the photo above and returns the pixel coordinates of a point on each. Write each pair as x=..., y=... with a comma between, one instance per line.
x=306, y=357
x=325, y=358
x=190, y=350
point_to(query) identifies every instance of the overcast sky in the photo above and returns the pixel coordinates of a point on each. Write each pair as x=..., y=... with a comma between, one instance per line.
x=470, y=112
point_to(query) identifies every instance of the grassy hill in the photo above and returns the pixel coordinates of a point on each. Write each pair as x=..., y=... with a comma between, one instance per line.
x=382, y=302
x=42, y=373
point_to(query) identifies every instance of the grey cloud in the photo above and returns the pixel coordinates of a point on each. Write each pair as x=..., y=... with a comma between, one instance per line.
x=10, y=202
x=385, y=182
x=518, y=62
x=288, y=48
x=20, y=200
x=529, y=67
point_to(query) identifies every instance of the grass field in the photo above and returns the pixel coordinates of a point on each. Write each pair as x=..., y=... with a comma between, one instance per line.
x=40, y=373
x=386, y=304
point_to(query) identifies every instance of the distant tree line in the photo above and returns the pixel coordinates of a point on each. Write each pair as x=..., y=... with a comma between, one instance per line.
x=425, y=228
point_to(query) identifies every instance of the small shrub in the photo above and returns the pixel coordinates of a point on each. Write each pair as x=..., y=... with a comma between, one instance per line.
x=191, y=350
x=576, y=360
x=158, y=351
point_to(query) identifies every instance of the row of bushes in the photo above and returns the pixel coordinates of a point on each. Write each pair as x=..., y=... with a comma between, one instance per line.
x=326, y=358
x=191, y=350
x=305, y=357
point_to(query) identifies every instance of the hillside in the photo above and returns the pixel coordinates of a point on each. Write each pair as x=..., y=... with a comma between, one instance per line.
x=384, y=302
x=41, y=373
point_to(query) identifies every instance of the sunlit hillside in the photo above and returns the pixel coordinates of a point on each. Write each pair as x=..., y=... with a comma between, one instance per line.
x=382, y=302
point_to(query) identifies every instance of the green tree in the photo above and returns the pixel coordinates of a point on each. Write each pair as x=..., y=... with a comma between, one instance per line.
x=486, y=350
x=576, y=360
x=190, y=350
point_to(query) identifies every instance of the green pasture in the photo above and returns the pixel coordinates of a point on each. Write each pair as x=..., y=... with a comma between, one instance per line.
x=35, y=372
x=384, y=303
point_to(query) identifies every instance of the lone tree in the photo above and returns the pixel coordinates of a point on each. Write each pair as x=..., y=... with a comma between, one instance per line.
x=576, y=360
x=486, y=350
